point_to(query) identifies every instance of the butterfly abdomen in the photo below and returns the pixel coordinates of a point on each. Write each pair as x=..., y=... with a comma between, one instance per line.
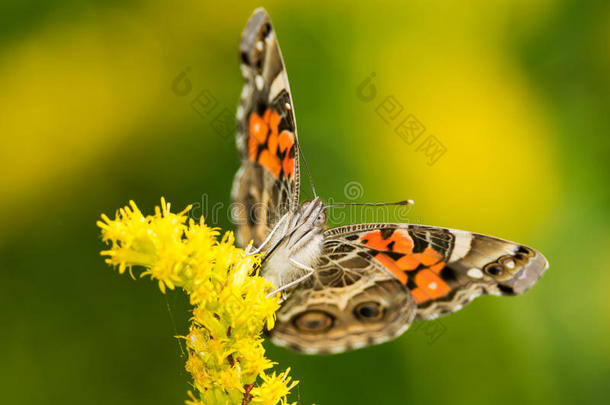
x=282, y=267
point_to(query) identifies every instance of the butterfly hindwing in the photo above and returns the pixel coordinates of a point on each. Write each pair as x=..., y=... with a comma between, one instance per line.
x=350, y=301
x=366, y=310
x=267, y=183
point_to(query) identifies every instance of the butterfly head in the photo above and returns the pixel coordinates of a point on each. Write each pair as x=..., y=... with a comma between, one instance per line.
x=306, y=225
x=296, y=245
x=314, y=213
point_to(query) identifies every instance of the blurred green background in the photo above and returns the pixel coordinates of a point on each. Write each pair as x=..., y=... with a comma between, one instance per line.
x=517, y=91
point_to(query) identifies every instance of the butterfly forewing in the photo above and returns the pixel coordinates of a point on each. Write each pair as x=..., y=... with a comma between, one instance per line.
x=444, y=269
x=267, y=183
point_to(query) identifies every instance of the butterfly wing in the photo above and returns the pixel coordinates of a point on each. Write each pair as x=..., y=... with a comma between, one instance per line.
x=432, y=272
x=343, y=309
x=267, y=183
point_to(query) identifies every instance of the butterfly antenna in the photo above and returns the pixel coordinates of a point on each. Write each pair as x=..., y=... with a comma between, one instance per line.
x=404, y=202
x=313, y=188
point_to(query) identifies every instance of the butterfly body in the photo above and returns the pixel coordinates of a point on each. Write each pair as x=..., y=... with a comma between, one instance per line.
x=297, y=244
x=354, y=285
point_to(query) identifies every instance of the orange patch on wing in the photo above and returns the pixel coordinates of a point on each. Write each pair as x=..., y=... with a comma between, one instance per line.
x=429, y=256
x=272, y=142
x=419, y=295
x=286, y=140
x=258, y=128
x=408, y=262
x=273, y=118
x=286, y=143
x=390, y=264
x=401, y=243
x=252, y=148
x=271, y=162
x=264, y=131
x=431, y=284
x=375, y=241
x=437, y=267
x=397, y=242
x=288, y=165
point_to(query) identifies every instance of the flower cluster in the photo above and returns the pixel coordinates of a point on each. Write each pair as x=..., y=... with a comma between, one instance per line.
x=231, y=301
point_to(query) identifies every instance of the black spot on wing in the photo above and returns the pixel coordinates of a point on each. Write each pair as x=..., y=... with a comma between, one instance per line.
x=394, y=255
x=364, y=255
x=448, y=274
x=419, y=242
x=387, y=232
x=506, y=289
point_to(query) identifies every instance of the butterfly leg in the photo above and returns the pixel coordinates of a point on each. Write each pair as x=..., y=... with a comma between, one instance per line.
x=299, y=280
x=268, y=238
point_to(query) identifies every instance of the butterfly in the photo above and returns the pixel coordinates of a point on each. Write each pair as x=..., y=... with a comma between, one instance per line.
x=356, y=285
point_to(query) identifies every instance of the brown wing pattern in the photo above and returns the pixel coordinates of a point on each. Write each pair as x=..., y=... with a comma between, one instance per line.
x=371, y=310
x=444, y=269
x=374, y=279
x=351, y=301
x=267, y=183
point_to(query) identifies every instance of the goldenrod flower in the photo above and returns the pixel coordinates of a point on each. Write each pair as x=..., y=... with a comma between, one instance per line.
x=230, y=299
x=274, y=389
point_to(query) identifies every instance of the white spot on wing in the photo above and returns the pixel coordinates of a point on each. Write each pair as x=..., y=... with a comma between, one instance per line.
x=276, y=86
x=474, y=273
x=259, y=45
x=336, y=349
x=244, y=92
x=240, y=112
x=462, y=243
x=510, y=264
x=310, y=350
x=278, y=341
x=381, y=339
x=259, y=82
x=402, y=329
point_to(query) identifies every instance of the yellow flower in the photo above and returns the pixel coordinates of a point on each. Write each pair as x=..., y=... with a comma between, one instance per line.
x=231, y=301
x=274, y=389
x=252, y=358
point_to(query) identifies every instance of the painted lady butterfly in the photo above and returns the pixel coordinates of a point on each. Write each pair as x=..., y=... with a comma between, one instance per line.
x=354, y=285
